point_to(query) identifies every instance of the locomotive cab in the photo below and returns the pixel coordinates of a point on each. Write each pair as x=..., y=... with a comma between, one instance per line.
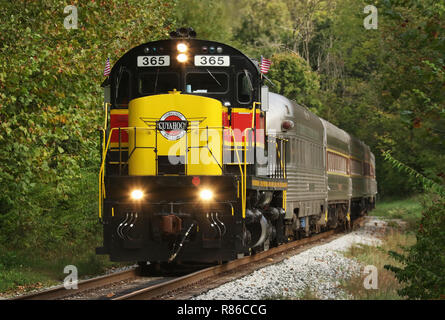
x=195, y=67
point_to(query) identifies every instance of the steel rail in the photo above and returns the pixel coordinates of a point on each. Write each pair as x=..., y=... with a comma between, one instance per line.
x=61, y=292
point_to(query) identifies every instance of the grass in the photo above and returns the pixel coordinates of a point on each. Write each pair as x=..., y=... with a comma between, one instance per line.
x=388, y=285
x=24, y=271
x=405, y=210
x=409, y=210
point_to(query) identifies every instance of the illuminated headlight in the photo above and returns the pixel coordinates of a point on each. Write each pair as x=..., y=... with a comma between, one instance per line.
x=182, y=57
x=137, y=194
x=182, y=47
x=206, y=194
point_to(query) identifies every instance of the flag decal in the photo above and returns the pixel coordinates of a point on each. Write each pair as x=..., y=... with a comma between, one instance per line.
x=107, y=68
x=265, y=65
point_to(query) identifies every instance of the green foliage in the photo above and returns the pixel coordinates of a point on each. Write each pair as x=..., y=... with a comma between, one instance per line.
x=386, y=86
x=423, y=271
x=294, y=79
x=260, y=31
x=209, y=18
x=50, y=110
x=424, y=263
x=428, y=185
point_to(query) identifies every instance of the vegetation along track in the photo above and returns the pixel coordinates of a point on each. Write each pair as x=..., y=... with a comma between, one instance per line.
x=180, y=287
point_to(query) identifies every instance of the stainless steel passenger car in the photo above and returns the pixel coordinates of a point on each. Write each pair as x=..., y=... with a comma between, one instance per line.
x=331, y=174
x=305, y=160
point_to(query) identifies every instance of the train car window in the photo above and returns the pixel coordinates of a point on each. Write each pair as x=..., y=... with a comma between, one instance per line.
x=244, y=88
x=356, y=167
x=337, y=163
x=123, y=85
x=208, y=82
x=366, y=169
x=158, y=82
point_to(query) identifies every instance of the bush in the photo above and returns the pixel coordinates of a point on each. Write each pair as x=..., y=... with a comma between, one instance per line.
x=424, y=263
x=423, y=273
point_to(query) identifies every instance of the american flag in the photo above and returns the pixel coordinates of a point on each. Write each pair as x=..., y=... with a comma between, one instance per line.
x=265, y=65
x=107, y=68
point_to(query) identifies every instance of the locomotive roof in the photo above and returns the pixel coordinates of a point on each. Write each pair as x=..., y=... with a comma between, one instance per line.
x=166, y=46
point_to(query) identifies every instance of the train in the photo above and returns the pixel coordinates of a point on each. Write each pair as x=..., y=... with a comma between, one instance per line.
x=202, y=163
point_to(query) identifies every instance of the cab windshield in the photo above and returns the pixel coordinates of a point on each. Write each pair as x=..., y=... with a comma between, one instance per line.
x=158, y=82
x=207, y=82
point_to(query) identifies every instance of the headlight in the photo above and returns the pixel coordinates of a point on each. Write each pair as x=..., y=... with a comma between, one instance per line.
x=206, y=194
x=182, y=57
x=137, y=194
x=182, y=47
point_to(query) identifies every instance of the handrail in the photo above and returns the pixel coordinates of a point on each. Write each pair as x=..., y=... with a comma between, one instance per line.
x=106, y=147
x=102, y=165
x=243, y=173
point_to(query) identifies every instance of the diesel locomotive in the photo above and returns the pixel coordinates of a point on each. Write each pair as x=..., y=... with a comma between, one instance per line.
x=201, y=163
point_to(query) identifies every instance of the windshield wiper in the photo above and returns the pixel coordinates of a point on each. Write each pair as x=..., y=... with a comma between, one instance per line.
x=248, y=79
x=118, y=81
x=156, y=80
x=214, y=78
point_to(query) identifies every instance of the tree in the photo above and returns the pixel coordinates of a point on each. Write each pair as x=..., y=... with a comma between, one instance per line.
x=209, y=18
x=262, y=26
x=294, y=79
x=51, y=107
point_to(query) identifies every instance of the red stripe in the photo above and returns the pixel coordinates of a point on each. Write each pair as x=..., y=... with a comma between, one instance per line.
x=116, y=121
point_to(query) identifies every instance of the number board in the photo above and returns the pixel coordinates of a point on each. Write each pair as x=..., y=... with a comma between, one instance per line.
x=153, y=61
x=212, y=61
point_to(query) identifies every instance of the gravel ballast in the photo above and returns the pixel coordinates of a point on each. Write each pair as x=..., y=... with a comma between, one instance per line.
x=318, y=270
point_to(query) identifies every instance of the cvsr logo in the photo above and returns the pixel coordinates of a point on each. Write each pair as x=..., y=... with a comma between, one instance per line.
x=172, y=125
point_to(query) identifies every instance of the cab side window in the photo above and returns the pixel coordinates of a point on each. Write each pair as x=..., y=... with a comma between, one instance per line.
x=123, y=84
x=244, y=91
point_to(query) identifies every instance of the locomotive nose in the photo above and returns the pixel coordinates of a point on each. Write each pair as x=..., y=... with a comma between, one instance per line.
x=175, y=134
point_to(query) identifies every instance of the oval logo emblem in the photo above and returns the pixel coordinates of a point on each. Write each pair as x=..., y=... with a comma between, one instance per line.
x=172, y=125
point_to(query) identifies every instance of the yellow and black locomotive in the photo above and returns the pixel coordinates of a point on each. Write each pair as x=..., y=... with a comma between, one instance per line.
x=201, y=163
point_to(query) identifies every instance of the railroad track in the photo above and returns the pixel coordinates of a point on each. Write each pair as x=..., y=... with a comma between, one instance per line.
x=165, y=288
x=168, y=288
x=61, y=292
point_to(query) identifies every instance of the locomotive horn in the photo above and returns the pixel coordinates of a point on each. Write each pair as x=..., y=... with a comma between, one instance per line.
x=183, y=33
x=174, y=35
x=192, y=33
